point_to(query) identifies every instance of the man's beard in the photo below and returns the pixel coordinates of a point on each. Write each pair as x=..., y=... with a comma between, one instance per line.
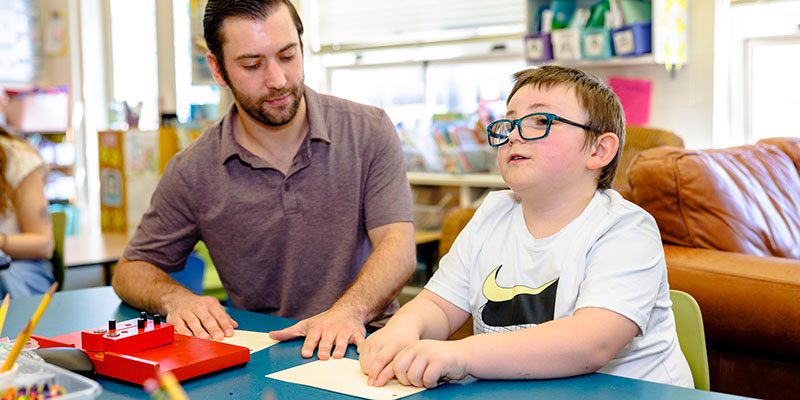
x=280, y=116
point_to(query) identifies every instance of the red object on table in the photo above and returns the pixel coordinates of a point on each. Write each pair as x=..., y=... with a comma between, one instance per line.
x=134, y=355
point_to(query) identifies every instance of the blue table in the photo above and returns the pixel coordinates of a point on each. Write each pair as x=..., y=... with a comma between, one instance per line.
x=77, y=310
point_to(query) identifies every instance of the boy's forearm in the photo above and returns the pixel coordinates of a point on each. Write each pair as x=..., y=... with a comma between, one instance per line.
x=424, y=316
x=563, y=347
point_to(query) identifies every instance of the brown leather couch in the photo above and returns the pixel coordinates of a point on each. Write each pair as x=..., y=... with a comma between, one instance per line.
x=730, y=221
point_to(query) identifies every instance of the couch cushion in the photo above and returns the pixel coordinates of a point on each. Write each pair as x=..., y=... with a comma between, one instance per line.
x=638, y=138
x=743, y=199
x=789, y=145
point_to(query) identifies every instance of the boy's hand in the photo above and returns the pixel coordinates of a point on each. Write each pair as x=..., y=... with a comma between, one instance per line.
x=380, y=348
x=201, y=316
x=425, y=362
x=335, y=327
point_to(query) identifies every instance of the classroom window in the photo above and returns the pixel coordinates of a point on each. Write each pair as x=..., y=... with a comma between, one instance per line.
x=763, y=44
x=134, y=58
x=187, y=93
x=412, y=93
x=774, y=93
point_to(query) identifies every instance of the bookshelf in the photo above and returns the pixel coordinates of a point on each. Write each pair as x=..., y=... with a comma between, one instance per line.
x=57, y=150
x=641, y=60
x=470, y=185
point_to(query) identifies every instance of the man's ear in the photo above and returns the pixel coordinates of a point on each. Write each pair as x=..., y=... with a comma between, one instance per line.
x=603, y=151
x=216, y=71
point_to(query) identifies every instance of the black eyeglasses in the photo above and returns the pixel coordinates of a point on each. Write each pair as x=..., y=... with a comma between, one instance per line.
x=531, y=127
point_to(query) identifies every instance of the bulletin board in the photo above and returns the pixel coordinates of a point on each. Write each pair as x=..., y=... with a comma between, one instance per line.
x=21, y=40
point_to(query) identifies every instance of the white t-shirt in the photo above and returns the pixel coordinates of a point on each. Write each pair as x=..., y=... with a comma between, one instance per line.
x=22, y=161
x=610, y=257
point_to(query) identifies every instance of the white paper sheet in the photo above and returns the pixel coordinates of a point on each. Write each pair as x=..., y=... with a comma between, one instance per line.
x=255, y=341
x=342, y=376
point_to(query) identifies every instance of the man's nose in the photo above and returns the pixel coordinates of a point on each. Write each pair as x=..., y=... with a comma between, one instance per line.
x=274, y=76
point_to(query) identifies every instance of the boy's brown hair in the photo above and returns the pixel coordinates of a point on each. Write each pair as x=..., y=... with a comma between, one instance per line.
x=599, y=101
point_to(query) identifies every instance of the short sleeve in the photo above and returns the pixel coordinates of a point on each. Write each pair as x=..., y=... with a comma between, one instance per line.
x=22, y=161
x=452, y=280
x=625, y=269
x=388, y=193
x=168, y=231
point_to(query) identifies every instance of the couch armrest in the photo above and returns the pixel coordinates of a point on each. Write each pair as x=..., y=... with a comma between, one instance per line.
x=750, y=304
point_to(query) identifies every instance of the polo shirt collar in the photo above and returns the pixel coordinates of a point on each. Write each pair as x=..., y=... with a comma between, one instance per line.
x=228, y=146
x=316, y=123
x=316, y=118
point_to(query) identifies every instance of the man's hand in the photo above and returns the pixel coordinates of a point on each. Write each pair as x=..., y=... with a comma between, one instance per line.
x=380, y=348
x=333, y=327
x=425, y=362
x=201, y=316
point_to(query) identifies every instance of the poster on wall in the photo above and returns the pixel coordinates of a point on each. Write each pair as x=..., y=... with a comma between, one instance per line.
x=20, y=41
x=201, y=74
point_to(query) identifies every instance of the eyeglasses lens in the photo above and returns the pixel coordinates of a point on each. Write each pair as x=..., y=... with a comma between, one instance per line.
x=498, y=132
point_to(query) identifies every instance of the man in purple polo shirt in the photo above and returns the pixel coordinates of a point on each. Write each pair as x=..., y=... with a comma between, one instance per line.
x=301, y=198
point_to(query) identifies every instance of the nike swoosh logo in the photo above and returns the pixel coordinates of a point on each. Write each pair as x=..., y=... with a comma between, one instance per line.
x=497, y=293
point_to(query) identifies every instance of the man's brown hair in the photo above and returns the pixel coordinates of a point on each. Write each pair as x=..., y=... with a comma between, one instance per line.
x=601, y=104
x=217, y=11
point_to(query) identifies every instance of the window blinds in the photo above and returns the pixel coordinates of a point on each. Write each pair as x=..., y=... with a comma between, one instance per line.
x=339, y=25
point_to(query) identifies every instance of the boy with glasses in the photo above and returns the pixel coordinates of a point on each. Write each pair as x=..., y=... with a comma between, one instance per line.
x=563, y=275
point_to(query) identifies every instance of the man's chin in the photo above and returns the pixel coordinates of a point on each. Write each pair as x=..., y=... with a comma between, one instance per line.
x=274, y=121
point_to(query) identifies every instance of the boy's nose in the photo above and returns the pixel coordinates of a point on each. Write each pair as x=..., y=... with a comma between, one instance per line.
x=514, y=135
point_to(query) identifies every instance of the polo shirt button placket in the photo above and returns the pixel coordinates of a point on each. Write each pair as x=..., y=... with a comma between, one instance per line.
x=288, y=199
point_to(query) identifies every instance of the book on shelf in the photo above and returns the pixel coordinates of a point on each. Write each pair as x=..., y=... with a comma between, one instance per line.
x=461, y=144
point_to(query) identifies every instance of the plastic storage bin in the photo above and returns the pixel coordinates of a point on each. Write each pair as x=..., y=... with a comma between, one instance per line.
x=28, y=372
x=596, y=43
x=633, y=39
x=566, y=44
x=39, y=109
x=538, y=47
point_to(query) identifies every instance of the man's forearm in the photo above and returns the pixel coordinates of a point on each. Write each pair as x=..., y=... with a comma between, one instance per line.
x=145, y=286
x=383, y=275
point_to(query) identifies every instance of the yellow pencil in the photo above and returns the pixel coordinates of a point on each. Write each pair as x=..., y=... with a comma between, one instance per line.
x=43, y=304
x=3, y=311
x=20, y=343
x=172, y=387
x=26, y=332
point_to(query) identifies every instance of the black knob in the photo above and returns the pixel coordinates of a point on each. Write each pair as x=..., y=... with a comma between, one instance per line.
x=156, y=319
x=112, y=324
x=140, y=322
x=143, y=315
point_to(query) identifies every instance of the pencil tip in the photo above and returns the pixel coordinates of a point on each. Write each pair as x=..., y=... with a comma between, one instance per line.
x=52, y=289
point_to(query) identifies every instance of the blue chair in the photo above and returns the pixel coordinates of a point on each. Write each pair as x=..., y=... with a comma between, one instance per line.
x=192, y=275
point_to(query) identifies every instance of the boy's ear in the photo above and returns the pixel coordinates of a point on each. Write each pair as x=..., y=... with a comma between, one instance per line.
x=216, y=71
x=603, y=151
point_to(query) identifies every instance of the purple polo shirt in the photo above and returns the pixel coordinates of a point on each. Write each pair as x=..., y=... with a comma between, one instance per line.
x=283, y=245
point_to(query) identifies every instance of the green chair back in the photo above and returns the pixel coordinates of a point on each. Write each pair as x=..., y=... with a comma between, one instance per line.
x=212, y=284
x=59, y=219
x=691, y=336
